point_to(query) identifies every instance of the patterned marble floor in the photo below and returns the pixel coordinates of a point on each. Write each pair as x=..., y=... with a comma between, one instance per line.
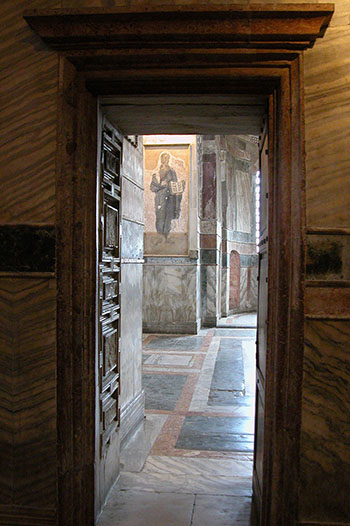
x=243, y=319
x=190, y=462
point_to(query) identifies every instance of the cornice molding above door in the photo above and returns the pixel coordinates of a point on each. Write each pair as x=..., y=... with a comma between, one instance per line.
x=139, y=25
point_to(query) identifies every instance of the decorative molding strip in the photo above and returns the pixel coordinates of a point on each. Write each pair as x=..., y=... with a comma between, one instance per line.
x=257, y=26
x=317, y=523
x=330, y=231
x=327, y=302
x=327, y=317
x=126, y=218
x=27, y=248
x=248, y=260
x=171, y=261
x=342, y=284
x=130, y=260
x=28, y=275
x=130, y=416
x=128, y=178
x=240, y=237
x=27, y=516
x=178, y=327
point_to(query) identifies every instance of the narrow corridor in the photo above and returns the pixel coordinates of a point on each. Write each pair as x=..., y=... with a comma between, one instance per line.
x=190, y=463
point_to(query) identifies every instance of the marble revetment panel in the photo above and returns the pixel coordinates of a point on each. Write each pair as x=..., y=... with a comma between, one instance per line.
x=328, y=257
x=325, y=445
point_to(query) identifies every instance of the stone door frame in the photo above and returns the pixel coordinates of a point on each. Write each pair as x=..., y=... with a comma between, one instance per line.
x=196, y=49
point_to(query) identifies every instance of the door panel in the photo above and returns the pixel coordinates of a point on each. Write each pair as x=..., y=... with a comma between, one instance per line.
x=109, y=285
x=261, y=351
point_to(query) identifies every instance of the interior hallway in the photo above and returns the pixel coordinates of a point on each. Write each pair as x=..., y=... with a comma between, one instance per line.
x=190, y=463
x=241, y=319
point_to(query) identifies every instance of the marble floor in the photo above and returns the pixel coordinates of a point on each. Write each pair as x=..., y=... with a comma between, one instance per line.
x=190, y=462
x=243, y=319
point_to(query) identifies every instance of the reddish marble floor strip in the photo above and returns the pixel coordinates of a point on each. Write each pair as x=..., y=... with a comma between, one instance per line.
x=185, y=398
x=167, y=438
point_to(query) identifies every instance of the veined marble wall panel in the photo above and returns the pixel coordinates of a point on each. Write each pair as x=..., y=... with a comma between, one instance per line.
x=131, y=289
x=327, y=117
x=132, y=204
x=211, y=286
x=132, y=161
x=225, y=290
x=29, y=111
x=254, y=288
x=244, y=201
x=170, y=302
x=132, y=240
x=28, y=398
x=243, y=304
x=131, y=331
x=325, y=445
x=325, y=468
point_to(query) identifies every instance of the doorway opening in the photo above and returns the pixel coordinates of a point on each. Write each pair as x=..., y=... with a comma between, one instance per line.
x=197, y=438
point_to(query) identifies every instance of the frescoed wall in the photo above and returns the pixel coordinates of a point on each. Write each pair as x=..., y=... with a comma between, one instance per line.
x=167, y=175
x=171, y=269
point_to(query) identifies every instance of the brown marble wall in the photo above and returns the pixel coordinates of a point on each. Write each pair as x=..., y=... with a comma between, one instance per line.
x=28, y=96
x=325, y=445
x=325, y=448
x=29, y=107
x=27, y=401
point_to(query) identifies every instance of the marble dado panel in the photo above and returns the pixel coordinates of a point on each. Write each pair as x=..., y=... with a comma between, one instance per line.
x=131, y=332
x=169, y=295
x=132, y=161
x=28, y=400
x=132, y=240
x=238, y=237
x=243, y=294
x=29, y=114
x=325, y=445
x=248, y=290
x=171, y=261
x=209, y=287
x=254, y=288
x=327, y=113
x=225, y=291
x=328, y=257
x=249, y=260
x=132, y=201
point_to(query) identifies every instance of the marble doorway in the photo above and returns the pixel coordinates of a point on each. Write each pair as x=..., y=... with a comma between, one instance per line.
x=92, y=62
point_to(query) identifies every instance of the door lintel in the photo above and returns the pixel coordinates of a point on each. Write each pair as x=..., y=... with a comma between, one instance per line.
x=139, y=25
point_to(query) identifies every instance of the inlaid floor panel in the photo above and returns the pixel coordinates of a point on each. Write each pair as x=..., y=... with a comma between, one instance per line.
x=190, y=462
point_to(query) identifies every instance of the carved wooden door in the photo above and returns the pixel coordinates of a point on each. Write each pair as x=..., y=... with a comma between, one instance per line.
x=109, y=284
x=261, y=351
